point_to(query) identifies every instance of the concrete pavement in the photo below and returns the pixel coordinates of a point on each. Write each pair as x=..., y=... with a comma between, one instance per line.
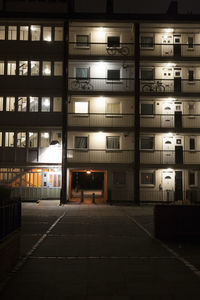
x=99, y=252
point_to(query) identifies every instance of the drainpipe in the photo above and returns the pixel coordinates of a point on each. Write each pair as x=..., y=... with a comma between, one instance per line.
x=63, y=194
x=137, y=115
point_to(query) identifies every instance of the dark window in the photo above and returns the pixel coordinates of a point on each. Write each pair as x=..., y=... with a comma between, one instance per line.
x=192, y=143
x=191, y=178
x=147, y=74
x=82, y=40
x=190, y=42
x=81, y=142
x=147, y=143
x=147, y=42
x=113, y=75
x=146, y=109
x=147, y=178
x=112, y=142
x=113, y=41
x=82, y=73
x=191, y=75
x=119, y=178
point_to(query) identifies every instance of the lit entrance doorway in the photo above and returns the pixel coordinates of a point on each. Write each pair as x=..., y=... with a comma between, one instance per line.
x=87, y=185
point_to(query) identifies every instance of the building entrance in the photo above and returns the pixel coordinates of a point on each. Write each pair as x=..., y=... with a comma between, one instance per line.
x=88, y=186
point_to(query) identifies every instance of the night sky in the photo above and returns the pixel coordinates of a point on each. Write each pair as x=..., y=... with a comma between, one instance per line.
x=137, y=6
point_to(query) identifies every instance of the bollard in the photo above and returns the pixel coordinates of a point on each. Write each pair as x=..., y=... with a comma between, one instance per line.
x=93, y=198
x=82, y=197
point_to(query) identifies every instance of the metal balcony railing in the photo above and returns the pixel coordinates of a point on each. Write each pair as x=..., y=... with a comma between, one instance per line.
x=102, y=49
x=101, y=120
x=100, y=156
x=170, y=121
x=101, y=84
x=170, y=157
x=175, y=85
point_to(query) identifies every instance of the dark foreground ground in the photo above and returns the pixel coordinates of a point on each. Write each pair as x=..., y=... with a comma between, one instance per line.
x=99, y=252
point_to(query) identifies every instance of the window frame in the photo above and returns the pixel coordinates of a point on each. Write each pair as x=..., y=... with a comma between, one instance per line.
x=81, y=136
x=148, y=184
x=114, y=69
x=143, y=35
x=81, y=113
x=109, y=35
x=195, y=143
x=82, y=79
x=147, y=115
x=195, y=178
x=188, y=44
x=145, y=137
x=147, y=80
x=113, y=136
x=83, y=46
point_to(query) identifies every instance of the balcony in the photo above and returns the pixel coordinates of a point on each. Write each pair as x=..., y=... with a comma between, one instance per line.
x=124, y=85
x=100, y=156
x=176, y=121
x=101, y=49
x=100, y=120
x=167, y=86
x=170, y=157
x=170, y=51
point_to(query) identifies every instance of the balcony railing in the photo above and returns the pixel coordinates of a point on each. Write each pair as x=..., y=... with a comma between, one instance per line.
x=176, y=85
x=192, y=196
x=170, y=50
x=100, y=156
x=101, y=49
x=170, y=157
x=170, y=121
x=101, y=120
x=101, y=84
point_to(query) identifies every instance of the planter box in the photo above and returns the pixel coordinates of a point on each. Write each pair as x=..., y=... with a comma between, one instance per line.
x=177, y=222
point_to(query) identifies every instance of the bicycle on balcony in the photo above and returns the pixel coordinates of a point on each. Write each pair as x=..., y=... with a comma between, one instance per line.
x=81, y=85
x=124, y=51
x=154, y=87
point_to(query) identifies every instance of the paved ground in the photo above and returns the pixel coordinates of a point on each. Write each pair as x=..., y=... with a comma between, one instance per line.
x=99, y=252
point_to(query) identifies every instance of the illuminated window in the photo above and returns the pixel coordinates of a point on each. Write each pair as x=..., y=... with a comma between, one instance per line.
x=1, y=103
x=0, y=139
x=147, y=143
x=58, y=68
x=147, y=178
x=81, y=142
x=10, y=103
x=57, y=104
x=11, y=68
x=22, y=104
x=44, y=139
x=9, y=139
x=58, y=34
x=12, y=32
x=112, y=142
x=47, y=34
x=35, y=32
x=23, y=68
x=45, y=107
x=2, y=32
x=113, y=108
x=24, y=33
x=46, y=68
x=82, y=40
x=1, y=67
x=33, y=139
x=35, y=68
x=113, y=41
x=81, y=107
x=21, y=139
x=33, y=104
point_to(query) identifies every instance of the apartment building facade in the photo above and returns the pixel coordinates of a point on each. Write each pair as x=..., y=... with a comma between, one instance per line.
x=104, y=106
